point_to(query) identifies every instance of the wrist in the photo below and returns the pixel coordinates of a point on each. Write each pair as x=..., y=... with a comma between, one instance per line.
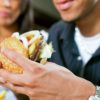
x=97, y=95
x=79, y=89
x=87, y=89
x=91, y=90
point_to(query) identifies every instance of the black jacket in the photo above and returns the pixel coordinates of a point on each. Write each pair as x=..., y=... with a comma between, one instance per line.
x=66, y=52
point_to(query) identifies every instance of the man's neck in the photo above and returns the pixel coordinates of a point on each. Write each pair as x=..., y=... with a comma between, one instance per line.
x=90, y=25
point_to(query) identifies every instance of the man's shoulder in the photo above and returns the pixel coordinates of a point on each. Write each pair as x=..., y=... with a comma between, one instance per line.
x=60, y=23
x=58, y=26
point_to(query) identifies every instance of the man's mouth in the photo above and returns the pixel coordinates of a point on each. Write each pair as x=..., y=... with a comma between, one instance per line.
x=64, y=4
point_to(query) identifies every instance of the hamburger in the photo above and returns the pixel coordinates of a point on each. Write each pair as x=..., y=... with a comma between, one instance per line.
x=32, y=44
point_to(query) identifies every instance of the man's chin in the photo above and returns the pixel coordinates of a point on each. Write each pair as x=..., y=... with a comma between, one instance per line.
x=66, y=19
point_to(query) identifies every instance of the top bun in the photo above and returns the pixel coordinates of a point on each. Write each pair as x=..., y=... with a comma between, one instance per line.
x=13, y=44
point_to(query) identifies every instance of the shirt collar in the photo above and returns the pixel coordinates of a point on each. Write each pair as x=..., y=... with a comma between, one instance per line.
x=97, y=53
x=68, y=31
x=67, y=37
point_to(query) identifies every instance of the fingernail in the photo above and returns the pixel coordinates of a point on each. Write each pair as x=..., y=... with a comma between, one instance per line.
x=3, y=50
x=2, y=80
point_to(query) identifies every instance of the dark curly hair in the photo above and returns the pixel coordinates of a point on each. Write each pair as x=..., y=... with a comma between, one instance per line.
x=26, y=18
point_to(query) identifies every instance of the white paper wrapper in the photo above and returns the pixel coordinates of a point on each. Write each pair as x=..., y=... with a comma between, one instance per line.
x=47, y=51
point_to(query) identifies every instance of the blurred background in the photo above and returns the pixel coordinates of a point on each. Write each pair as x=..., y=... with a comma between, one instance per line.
x=45, y=13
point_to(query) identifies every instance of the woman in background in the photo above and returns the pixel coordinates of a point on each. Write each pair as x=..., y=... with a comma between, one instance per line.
x=15, y=15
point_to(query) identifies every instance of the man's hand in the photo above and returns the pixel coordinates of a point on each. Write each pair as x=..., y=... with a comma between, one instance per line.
x=44, y=82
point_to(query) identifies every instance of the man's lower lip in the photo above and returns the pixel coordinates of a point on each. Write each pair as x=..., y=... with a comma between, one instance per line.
x=66, y=5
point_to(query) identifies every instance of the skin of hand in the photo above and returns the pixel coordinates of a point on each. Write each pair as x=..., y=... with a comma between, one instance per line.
x=44, y=82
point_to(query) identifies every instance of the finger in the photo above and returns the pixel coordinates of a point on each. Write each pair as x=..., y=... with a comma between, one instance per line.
x=13, y=78
x=18, y=79
x=22, y=61
x=2, y=80
x=54, y=67
x=17, y=58
x=17, y=89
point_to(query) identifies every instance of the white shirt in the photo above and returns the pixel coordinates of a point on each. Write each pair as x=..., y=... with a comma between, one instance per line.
x=87, y=45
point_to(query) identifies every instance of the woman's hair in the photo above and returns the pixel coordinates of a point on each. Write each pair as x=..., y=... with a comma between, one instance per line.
x=26, y=18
